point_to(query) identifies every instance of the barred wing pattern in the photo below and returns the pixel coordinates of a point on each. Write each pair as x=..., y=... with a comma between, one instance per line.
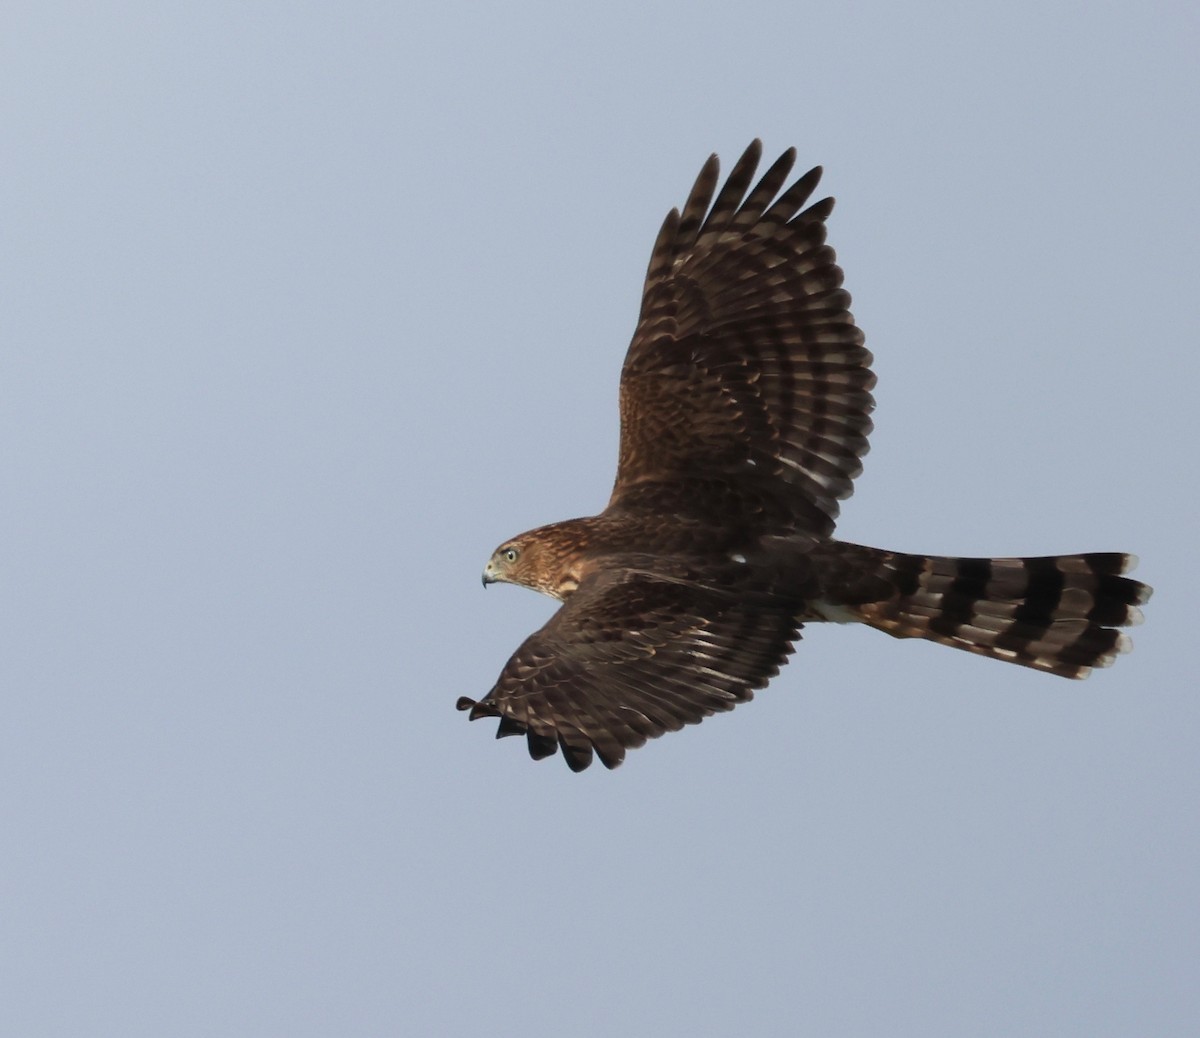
x=745, y=403
x=746, y=366
x=628, y=658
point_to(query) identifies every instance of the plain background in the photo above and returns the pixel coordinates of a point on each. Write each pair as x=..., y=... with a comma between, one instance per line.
x=305, y=307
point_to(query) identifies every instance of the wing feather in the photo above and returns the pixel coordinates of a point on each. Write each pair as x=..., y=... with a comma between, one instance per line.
x=629, y=657
x=746, y=367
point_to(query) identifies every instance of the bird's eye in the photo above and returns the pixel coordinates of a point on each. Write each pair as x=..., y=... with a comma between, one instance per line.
x=510, y=554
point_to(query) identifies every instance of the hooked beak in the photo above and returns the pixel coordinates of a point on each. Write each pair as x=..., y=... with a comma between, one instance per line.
x=489, y=576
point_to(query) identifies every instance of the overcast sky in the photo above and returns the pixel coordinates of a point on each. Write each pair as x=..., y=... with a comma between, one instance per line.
x=305, y=308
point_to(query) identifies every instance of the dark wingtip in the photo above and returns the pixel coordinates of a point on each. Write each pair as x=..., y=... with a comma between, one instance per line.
x=819, y=210
x=577, y=756
x=509, y=727
x=478, y=710
x=611, y=757
x=541, y=746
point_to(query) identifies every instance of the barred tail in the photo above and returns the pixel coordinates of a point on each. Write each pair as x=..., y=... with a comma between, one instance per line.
x=1057, y=613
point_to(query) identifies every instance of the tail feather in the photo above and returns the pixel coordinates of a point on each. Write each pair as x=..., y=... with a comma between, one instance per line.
x=1059, y=614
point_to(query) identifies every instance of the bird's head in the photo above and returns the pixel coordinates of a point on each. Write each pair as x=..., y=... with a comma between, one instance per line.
x=507, y=564
x=542, y=559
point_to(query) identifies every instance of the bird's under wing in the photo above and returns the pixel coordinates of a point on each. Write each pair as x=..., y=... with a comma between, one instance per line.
x=630, y=656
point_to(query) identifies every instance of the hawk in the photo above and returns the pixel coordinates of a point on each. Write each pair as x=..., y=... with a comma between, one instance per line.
x=745, y=403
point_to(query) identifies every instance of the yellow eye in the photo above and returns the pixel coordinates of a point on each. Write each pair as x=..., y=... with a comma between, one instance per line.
x=510, y=554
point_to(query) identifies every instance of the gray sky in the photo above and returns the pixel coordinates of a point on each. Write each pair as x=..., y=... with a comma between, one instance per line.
x=304, y=308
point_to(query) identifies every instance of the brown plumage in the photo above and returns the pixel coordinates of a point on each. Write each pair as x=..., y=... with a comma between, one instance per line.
x=745, y=403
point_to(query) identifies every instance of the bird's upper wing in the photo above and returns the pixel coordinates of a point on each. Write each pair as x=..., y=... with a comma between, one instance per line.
x=629, y=657
x=746, y=367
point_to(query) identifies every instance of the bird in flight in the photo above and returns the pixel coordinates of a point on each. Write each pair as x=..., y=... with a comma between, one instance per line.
x=745, y=409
